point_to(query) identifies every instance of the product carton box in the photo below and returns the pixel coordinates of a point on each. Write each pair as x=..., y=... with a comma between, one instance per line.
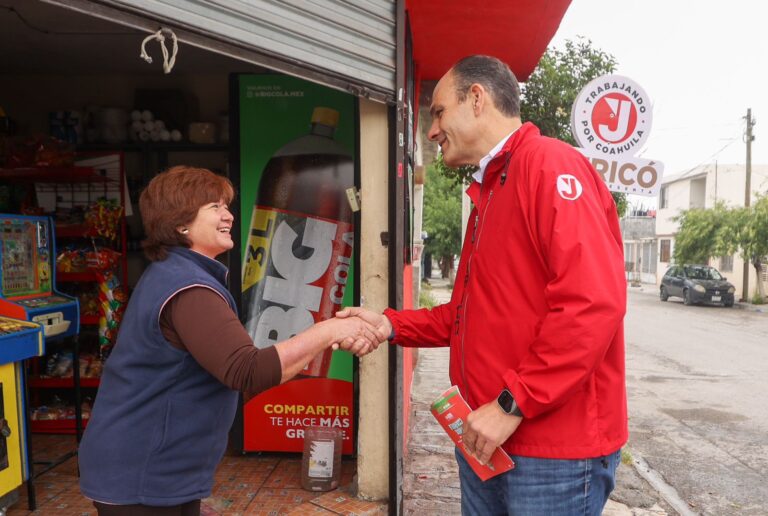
x=451, y=411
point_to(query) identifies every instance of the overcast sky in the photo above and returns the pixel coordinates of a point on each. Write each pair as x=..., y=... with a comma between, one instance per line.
x=702, y=63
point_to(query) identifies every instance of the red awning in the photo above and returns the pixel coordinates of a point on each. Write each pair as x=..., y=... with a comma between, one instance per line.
x=515, y=31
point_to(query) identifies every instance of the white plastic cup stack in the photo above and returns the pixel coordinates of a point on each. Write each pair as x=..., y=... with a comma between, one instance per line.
x=145, y=128
x=136, y=127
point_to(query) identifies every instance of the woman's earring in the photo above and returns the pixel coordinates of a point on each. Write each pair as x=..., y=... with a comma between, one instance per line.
x=184, y=231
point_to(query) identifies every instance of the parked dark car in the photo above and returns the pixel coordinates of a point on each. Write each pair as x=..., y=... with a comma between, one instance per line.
x=696, y=284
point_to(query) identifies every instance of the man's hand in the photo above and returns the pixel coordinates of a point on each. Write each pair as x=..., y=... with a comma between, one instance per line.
x=488, y=427
x=353, y=334
x=377, y=320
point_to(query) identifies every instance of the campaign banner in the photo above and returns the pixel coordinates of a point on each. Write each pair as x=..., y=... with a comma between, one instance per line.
x=611, y=120
x=627, y=174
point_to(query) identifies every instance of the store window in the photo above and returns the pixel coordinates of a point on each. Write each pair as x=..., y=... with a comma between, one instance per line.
x=698, y=193
x=726, y=263
x=664, y=197
x=665, y=245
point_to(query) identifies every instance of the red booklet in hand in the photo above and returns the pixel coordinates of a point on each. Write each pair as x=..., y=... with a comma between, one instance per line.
x=451, y=411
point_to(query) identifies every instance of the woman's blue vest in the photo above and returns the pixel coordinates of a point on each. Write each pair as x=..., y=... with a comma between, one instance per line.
x=159, y=425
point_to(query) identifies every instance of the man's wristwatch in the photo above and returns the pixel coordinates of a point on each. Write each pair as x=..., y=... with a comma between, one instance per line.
x=508, y=404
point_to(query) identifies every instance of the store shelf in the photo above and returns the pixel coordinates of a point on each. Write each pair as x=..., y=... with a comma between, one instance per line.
x=70, y=277
x=52, y=174
x=71, y=230
x=54, y=426
x=61, y=383
x=155, y=147
x=89, y=320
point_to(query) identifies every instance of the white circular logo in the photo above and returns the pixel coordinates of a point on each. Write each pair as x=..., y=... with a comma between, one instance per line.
x=612, y=115
x=568, y=187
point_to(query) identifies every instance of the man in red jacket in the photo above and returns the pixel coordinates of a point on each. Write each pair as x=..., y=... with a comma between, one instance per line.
x=535, y=319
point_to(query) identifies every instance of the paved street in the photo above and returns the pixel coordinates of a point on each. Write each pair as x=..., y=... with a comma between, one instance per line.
x=697, y=379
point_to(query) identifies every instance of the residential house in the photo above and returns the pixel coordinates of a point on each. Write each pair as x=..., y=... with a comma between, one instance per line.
x=638, y=231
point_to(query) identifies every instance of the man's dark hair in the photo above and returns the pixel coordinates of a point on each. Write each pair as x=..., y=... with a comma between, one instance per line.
x=496, y=78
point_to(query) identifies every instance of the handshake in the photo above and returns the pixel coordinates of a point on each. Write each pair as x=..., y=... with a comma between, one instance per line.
x=358, y=330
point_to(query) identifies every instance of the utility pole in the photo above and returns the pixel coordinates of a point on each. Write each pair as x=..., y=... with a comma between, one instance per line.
x=748, y=196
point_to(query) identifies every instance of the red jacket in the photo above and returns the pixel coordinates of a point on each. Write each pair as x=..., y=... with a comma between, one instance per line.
x=539, y=301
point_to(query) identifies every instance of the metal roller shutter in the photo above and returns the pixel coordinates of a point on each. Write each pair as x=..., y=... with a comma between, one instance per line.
x=345, y=44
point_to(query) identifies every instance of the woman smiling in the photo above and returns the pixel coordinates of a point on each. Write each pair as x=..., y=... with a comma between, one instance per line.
x=169, y=390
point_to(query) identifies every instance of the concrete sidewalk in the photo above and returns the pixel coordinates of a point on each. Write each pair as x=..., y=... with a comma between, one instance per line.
x=430, y=474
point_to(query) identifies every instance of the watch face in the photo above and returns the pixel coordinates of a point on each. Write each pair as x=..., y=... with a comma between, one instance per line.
x=506, y=401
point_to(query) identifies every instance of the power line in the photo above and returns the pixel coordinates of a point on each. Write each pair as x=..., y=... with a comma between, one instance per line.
x=696, y=126
x=683, y=174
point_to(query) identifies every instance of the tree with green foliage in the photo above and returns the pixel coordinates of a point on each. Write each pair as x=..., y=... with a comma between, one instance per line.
x=753, y=237
x=442, y=217
x=704, y=233
x=551, y=90
x=721, y=231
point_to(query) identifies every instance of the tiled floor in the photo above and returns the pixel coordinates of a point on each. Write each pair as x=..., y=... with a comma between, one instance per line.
x=268, y=485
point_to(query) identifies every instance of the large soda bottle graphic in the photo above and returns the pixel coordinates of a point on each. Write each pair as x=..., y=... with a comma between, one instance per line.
x=301, y=239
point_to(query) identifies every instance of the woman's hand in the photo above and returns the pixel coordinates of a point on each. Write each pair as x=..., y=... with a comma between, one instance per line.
x=378, y=320
x=354, y=334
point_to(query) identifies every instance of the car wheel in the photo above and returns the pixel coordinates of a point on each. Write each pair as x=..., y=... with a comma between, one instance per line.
x=687, y=297
x=729, y=304
x=663, y=295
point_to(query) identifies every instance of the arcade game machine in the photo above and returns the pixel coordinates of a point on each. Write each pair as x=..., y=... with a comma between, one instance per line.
x=27, y=250
x=19, y=340
x=27, y=293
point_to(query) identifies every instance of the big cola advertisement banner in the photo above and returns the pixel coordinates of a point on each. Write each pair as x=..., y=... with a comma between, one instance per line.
x=297, y=149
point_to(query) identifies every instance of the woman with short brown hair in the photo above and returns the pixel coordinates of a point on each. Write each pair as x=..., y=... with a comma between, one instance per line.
x=171, y=200
x=168, y=394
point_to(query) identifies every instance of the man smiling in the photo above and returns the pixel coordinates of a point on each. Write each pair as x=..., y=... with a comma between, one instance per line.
x=535, y=321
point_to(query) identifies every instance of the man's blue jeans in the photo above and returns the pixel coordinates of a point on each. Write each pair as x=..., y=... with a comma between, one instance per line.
x=537, y=487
